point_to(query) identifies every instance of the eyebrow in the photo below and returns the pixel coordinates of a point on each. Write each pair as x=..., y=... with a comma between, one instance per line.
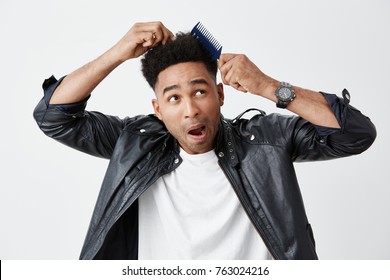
x=192, y=83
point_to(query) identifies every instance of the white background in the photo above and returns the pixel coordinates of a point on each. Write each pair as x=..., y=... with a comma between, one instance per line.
x=48, y=191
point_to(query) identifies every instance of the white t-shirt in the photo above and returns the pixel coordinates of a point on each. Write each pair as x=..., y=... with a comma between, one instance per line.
x=194, y=213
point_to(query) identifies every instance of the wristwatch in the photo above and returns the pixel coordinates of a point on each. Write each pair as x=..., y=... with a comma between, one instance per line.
x=285, y=94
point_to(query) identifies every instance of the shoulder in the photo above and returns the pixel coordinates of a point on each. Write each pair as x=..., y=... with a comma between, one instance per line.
x=144, y=124
x=266, y=129
x=264, y=122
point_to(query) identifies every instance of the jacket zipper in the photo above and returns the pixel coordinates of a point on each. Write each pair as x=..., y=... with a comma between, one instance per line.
x=246, y=207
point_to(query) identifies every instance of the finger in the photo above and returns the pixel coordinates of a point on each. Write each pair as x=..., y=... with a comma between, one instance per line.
x=225, y=72
x=223, y=76
x=241, y=88
x=224, y=58
x=228, y=74
x=235, y=85
x=148, y=39
x=162, y=34
x=232, y=78
x=166, y=35
x=147, y=32
x=156, y=38
x=238, y=87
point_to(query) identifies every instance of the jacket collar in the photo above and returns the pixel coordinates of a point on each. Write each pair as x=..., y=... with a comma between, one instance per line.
x=225, y=146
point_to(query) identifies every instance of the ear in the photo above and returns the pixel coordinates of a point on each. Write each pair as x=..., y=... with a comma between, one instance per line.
x=221, y=94
x=156, y=108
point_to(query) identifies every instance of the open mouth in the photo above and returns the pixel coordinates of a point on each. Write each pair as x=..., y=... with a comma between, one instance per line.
x=197, y=131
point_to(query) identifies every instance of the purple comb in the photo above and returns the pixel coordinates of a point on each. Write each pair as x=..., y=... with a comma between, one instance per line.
x=207, y=40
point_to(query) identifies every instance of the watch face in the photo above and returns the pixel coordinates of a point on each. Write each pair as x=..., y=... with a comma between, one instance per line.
x=284, y=94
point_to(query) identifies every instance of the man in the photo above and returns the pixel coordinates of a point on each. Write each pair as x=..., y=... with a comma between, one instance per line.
x=186, y=183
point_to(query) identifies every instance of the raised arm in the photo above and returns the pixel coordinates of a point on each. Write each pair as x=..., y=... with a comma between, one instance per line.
x=61, y=113
x=242, y=74
x=79, y=84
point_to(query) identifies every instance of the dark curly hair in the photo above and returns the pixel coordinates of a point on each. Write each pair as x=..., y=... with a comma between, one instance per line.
x=185, y=48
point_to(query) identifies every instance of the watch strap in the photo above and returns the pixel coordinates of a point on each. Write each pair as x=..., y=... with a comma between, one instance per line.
x=282, y=104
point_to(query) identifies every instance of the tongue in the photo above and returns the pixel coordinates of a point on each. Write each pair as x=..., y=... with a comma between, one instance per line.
x=197, y=131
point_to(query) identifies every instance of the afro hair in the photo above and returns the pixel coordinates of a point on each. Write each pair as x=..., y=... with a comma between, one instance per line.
x=185, y=48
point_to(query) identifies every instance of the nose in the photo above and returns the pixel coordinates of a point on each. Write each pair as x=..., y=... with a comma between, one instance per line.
x=191, y=108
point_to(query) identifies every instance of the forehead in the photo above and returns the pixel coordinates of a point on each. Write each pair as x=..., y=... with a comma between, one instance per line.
x=182, y=74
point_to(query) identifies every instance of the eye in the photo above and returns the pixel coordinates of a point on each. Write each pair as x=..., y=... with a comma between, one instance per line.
x=173, y=98
x=200, y=92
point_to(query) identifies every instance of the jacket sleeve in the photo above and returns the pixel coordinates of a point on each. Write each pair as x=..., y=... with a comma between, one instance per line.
x=90, y=132
x=355, y=135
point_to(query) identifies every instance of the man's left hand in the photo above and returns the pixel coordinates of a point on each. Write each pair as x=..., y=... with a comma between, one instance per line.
x=242, y=74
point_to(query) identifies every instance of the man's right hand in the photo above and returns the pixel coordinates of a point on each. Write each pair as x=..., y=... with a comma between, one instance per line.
x=139, y=39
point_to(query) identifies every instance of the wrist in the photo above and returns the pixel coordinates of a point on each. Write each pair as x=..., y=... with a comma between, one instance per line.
x=266, y=88
x=116, y=55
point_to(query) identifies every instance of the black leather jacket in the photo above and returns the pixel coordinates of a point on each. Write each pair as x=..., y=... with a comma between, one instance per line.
x=256, y=155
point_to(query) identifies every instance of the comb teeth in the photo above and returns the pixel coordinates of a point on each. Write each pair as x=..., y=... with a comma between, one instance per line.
x=212, y=46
